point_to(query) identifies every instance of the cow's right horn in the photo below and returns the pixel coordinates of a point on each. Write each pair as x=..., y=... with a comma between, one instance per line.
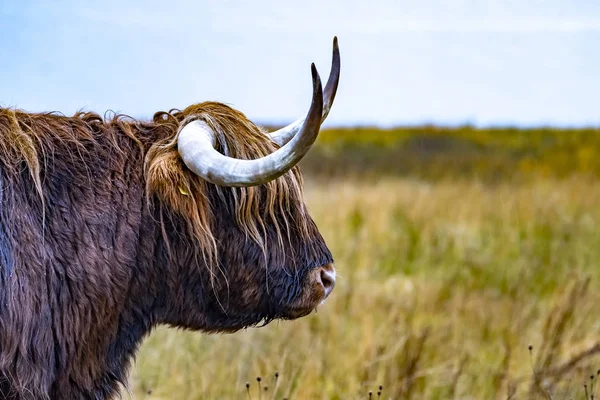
x=196, y=144
x=285, y=134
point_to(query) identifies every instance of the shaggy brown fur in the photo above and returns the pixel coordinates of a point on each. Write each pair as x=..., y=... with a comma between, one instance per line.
x=105, y=233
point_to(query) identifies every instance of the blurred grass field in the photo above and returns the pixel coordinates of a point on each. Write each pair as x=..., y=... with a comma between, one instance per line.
x=457, y=249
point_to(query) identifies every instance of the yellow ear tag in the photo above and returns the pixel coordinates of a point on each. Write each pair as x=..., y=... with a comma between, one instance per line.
x=183, y=192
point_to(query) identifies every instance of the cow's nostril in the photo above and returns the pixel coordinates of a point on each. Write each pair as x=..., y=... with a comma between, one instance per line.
x=328, y=278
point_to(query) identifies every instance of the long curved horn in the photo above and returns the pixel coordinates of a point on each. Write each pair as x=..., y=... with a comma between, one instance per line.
x=284, y=135
x=196, y=144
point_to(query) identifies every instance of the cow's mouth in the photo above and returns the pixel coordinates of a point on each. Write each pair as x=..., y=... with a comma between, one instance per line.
x=319, y=285
x=295, y=313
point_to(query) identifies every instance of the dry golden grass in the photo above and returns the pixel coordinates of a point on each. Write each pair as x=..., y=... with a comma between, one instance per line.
x=442, y=288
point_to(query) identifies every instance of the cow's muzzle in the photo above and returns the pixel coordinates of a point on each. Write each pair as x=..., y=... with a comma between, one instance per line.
x=318, y=286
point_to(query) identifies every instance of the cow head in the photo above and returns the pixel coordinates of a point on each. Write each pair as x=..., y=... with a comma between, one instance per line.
x=240, y=245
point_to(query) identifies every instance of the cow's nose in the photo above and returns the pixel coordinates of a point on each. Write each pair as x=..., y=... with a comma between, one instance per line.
x=327, y=278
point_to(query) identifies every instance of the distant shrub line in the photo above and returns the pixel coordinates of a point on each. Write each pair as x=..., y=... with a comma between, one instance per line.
x=433, y=153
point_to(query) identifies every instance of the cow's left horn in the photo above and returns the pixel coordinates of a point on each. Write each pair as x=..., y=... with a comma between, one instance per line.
x=285, y=134
x=196, y=145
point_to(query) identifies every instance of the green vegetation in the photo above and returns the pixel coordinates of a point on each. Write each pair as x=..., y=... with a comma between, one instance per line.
x=457, y=249
x=438, y=153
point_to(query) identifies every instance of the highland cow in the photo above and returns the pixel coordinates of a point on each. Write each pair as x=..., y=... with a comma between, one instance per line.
x=111, y=226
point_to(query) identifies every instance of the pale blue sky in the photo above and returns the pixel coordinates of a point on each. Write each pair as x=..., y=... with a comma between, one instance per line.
x=487, y=62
